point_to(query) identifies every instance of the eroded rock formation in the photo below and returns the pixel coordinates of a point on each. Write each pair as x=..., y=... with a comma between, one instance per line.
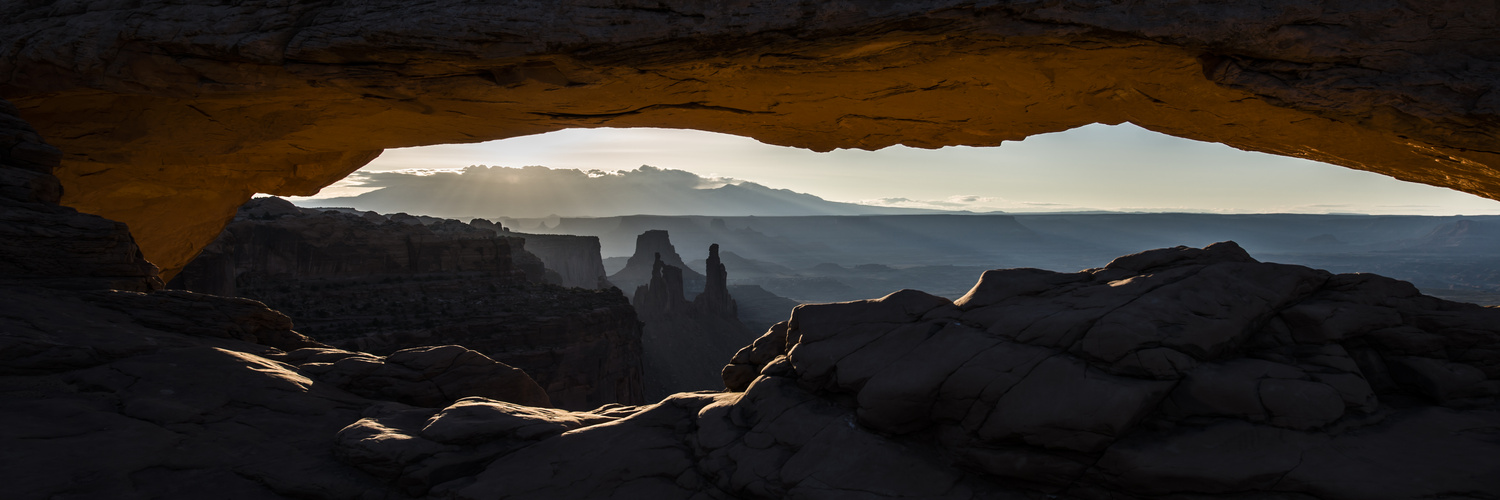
x=367, y=283
x=681, y=340
x=715, y=298
x=575, y=259
x=111, y=393
x=653, y=248
x=51, y=246
x=170, y=122
x=1174, y=373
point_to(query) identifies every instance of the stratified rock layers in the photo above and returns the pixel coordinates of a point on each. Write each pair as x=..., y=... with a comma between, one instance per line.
x=362, y=282
x=653, y=248
x=107, y=393
x=51, y=246
x=170, y=122
x=575, y=258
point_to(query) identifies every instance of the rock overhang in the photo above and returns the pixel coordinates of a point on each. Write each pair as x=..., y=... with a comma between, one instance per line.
x=169, y=122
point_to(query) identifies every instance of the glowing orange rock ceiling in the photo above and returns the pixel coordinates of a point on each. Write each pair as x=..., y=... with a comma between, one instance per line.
x=172, y=115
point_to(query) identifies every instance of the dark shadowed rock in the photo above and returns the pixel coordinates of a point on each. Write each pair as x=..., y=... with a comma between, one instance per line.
x=575, y=259
x=910, y=395
x=684, y=343
x=1175, y=373
x=422, y=376
x=369, y=284
x=715, y=298
x=758, y=308
x=1231, y=388
x=47, y=245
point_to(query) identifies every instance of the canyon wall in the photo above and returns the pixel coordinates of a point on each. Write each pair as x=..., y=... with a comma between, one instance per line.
x=1178, y=372
x=575, y=258
x=374, y=284
x=169, y=122
x=110, y=392
x=47, y=245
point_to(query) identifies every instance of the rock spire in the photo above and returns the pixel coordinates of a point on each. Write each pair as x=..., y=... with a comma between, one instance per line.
x=715, y=298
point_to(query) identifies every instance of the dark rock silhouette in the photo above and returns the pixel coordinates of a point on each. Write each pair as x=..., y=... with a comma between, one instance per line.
x=422, y=376
x=682, y=340
x=112, y=393
x=1159, y=374
x=575, y=259
x=1172, y=373
x=641, y=267
x=661, y=298
x=715, y=298
x=52, y=246
x=758, y=308
x=284, y=100
x=361, y=282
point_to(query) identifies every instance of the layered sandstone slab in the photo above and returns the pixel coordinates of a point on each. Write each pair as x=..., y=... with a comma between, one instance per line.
x=47, y=245
x=170, y=122
x=1174, y=373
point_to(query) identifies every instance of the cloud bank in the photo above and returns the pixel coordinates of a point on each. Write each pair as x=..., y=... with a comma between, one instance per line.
x=482, y=191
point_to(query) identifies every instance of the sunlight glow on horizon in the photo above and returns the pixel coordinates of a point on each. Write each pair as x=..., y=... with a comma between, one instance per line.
x=1096, y=167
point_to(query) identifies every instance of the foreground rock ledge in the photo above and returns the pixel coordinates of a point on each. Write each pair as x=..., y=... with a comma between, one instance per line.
x=171, y=122
x=1174, y=373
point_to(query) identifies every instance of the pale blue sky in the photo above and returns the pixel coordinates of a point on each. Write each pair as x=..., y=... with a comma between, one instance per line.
x=1094, y=167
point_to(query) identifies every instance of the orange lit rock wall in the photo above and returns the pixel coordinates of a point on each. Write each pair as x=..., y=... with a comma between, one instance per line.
x=172, y=115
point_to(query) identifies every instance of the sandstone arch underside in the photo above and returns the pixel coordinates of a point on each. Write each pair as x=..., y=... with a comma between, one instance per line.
x=172, y=115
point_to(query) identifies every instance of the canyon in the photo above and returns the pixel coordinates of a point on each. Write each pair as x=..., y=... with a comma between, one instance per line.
x=1172, y=373
x=685, y=341
x=380, y=284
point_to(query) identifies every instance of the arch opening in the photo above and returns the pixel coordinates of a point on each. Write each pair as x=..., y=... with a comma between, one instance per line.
x=177, y=131
x=595, y=172
x=1124, y=190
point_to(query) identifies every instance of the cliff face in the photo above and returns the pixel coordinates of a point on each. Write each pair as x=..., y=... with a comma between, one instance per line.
x=170, y=122
x=366, y=283
x=584, y=347
x=114, y=393
x=272, y=238
x=715, y=299
x=576, y=259
x=52, y=246
x=1171, y=373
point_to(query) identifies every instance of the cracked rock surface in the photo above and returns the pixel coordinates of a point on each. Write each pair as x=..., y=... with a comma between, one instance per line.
x=169, y=121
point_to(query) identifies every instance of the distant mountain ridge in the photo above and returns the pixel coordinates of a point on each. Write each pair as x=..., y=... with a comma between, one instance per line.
x=1461, y=236
x=487, y=192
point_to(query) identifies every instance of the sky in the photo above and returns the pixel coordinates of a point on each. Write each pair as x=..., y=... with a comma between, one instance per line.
x=1096, y=167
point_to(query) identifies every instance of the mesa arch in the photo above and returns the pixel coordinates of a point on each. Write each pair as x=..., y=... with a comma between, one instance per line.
x=170, y=116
